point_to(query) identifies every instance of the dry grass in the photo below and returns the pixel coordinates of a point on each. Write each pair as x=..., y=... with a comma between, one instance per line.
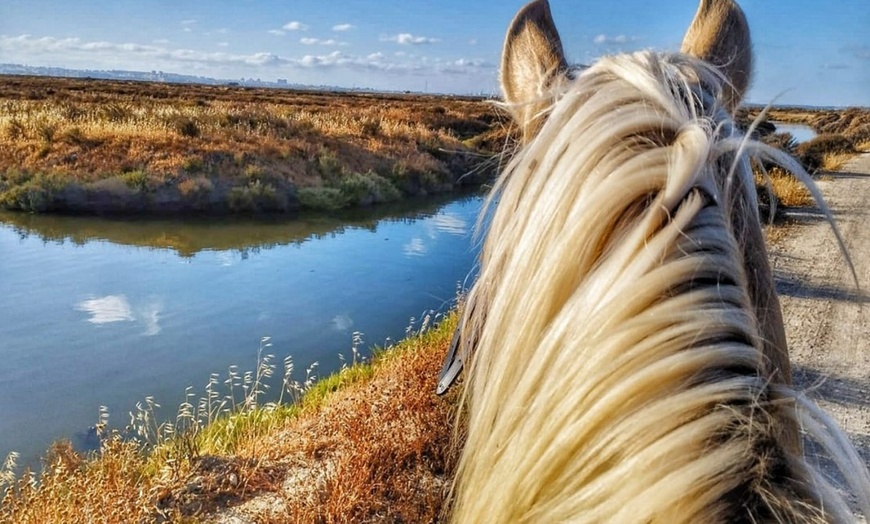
x=370, y=443
x=834, y=161
x=789, y=191
x=93, y=145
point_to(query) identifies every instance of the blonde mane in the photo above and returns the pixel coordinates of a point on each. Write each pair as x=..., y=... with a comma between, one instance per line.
x=619, y=372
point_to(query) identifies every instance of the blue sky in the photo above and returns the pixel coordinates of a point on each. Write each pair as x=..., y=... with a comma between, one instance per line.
x=807, y=51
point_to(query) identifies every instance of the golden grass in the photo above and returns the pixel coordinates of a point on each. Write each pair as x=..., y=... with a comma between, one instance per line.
x=789, y=191
x=371, y=442
x=835, y=161
x=194, y=143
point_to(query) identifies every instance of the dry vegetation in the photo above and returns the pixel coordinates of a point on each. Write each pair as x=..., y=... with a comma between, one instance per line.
x=105, y=146
x=370, y=443
x=841, y=134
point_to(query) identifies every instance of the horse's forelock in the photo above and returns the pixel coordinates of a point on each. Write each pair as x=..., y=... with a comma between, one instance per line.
x=617, y=330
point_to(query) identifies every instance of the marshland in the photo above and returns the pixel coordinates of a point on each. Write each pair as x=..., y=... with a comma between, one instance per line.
x=153, y=235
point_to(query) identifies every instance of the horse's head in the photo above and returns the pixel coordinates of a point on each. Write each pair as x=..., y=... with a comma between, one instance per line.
x=534, y=65
x=629, y=359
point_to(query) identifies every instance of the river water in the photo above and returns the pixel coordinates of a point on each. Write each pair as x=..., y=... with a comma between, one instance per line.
x=105, y=312
x=801, y=133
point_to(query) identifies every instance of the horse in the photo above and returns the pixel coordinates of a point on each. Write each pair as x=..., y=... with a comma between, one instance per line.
x=629, y=362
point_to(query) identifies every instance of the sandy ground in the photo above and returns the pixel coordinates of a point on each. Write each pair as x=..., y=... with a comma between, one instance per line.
x=826, y=314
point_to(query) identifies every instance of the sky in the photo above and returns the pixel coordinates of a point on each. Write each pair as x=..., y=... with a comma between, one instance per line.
x=808, y=52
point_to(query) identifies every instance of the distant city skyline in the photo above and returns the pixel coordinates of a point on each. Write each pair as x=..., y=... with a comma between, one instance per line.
x=807, y=52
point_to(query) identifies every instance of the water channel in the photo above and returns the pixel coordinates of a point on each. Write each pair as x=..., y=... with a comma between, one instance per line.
x=105, y=312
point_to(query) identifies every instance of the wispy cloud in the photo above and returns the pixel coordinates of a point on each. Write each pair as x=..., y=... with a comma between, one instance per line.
x=147, y=57
x=295, y=26
x=835, y=66
x=342, y=27
x=320, y=41
x=619, y=39
x=409, y=39
x=277, y=32
x=188, y=22
x=75, y=46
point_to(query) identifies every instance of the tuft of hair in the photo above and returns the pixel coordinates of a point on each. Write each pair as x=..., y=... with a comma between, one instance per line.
x=618, y=373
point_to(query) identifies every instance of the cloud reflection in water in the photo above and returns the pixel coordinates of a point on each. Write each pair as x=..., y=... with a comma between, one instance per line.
x=116, y=308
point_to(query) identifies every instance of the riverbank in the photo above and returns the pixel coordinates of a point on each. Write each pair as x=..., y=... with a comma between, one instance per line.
x=372, y=442
x=89, y=146
x=369, y=441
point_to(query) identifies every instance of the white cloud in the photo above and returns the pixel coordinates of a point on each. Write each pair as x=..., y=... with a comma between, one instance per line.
x=188, y=22
x=223, y=44
x=409, y=39
x=619, y=39
x=276, y=32
x=342, y=27
x=319, y=41
x=220, y=63
x=295, y=26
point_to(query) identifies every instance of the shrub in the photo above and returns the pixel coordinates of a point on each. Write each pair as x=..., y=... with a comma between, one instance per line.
x=812, y=153
x=192, y=164
x=256, y=197
x=329, y=167
x=187, y=127
x=14, y=130
x=322, y=198
x=36, y=194
x=138, y=180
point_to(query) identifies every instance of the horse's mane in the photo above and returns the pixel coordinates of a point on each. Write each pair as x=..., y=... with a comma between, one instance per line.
x=617, y=373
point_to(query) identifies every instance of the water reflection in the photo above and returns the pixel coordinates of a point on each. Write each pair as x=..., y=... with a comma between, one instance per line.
x=414, y=248
x=189, y=236
x=451, y=224
x=105, y=310
x=117, y=308
x=342, y=323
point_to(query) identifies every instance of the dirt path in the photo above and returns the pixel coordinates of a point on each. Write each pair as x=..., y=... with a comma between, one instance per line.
x=827, y=317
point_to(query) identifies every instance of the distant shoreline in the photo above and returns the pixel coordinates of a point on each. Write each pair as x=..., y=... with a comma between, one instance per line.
x=88, y=146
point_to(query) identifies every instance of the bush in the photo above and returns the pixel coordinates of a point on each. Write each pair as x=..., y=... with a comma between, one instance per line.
x=329, y=167
x=812, y=153
x=187, y=127
x=322, y=198
x=138, y=180
x=256, y=197
x=36, y=193
x=368, y=189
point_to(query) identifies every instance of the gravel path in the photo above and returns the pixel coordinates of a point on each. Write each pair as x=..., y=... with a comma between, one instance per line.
x=827, y=316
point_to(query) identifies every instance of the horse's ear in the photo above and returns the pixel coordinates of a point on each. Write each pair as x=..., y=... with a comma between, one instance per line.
x=531, y=60
x=719, y=35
